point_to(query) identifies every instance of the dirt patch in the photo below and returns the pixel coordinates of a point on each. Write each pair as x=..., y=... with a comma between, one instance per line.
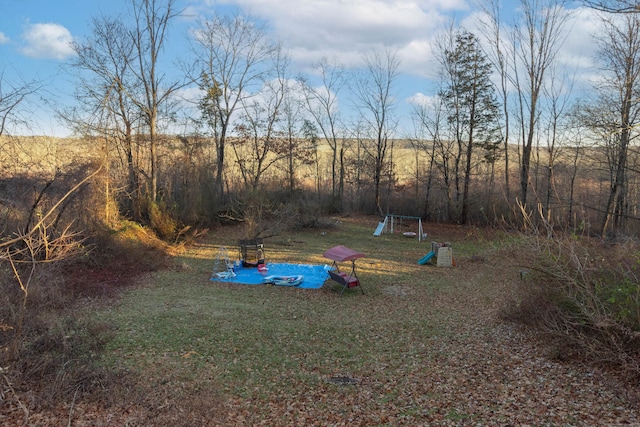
x=397, y=291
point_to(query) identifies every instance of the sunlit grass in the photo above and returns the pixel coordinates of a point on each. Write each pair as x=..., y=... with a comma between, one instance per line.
x=255, y=341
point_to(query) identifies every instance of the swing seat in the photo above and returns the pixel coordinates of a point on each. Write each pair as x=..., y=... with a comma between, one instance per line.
x=345, y=280
x=340, y=254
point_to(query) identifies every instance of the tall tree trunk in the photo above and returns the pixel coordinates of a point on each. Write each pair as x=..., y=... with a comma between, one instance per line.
x=615, y=201
x=220, y=161
x=464, y=216
x=154, y=158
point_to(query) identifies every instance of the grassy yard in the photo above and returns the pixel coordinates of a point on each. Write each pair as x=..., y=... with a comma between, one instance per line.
x=423, y=345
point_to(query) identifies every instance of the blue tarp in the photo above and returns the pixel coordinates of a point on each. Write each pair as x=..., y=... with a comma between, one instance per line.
x=314, y=275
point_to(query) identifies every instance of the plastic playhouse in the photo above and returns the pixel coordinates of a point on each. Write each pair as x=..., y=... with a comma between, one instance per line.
x=442, y=253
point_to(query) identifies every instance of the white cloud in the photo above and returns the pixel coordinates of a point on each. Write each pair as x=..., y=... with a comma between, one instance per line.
x=3, y=38
x=190, y=94
x=579, y=48
x=51, y=41
x=574, y=62
x=417, y=58
x=419, y=99
x=343, y=30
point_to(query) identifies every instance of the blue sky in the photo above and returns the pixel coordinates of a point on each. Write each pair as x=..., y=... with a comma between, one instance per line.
x=35, y=37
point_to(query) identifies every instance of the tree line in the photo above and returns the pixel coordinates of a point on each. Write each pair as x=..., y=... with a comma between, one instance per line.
x=502, y=133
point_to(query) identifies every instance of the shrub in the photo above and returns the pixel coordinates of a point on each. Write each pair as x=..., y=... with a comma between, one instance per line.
x=162, y=221
x=585, y=293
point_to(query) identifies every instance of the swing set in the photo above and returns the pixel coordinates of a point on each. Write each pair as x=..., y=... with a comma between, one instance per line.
x=392, y=221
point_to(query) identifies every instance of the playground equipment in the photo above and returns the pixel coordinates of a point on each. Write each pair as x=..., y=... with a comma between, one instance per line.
x=340, y=254
x=391, y=221
x=428, y=257
x=442, y=252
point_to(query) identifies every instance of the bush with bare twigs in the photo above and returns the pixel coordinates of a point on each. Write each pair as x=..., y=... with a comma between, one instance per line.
x=584, y=292
x=48, y=270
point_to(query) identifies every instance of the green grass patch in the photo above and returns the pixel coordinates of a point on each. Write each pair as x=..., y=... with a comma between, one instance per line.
x=261, y=342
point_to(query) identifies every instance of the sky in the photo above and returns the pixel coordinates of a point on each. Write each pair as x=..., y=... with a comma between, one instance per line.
x=35, y=37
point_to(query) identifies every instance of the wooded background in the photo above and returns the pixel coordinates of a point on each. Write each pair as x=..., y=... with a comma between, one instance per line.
x=502, y=137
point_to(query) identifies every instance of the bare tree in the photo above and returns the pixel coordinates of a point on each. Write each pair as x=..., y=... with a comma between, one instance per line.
x=356, y=171
x=11, y=97
x=234, y=55
x=375, y=101
x=499, y=57
x=536, y=39
x=613, y=6
x=152, y=19
x=298, y=151
x=558, y=95
x=261, y=144
x=578, y=131
x=428, y=119
x=618, y=94
x=322, y=103
x=105, y=109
